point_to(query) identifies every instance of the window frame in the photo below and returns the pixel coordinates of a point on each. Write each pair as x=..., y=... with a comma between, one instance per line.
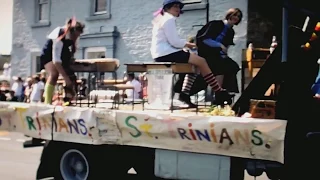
x=194, y=4
x=102, y=15
x=37, y=21
x=94, y=50
x=191, y=1
x=99, y=12
x=34, y=54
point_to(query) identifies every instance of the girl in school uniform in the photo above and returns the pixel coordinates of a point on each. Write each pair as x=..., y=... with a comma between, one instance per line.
x=213, y=41
x=57, y=55
x=167, y=46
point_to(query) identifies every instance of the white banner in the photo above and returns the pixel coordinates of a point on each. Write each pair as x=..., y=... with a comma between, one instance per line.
x=229, y=136
x=69, y=124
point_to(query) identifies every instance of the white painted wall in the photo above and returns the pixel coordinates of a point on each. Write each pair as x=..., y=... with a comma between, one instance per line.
x=6, y=7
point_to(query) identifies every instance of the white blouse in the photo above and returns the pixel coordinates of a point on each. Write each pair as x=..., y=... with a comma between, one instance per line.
x=165, y=37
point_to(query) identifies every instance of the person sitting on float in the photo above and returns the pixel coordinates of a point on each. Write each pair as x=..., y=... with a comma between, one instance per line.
x=213, y=41
x=167, y=46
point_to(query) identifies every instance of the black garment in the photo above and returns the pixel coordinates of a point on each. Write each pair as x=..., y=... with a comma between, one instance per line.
x=2, y=96
x=177, y=57
x=66, y=54
x=212, y=30
x=218, y=65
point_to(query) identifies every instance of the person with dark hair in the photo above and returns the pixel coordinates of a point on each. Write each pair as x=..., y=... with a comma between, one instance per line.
x=37, y=90
x=28, y=89
x=83, y=88
x=167, y=46
x=17, y=88
x=57, y=55
x=135, y=92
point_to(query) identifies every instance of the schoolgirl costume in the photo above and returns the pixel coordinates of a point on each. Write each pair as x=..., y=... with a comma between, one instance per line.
x=167, y=46
x=209, y=40
x=58, y=48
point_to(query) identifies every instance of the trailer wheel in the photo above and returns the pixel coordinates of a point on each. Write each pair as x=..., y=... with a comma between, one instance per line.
x=74, y=165
x=77, y=162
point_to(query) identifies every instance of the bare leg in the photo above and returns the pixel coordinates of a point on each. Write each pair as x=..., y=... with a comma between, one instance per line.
x=51, y=82
x=205, y=71
x=52, y=72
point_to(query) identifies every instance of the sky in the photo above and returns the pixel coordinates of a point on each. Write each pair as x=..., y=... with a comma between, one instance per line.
x=6, y=8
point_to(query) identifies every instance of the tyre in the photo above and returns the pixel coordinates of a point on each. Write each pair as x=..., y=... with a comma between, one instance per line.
x=77, y=162
x=74, y=165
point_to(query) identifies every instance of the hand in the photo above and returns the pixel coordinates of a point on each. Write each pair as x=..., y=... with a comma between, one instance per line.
x=223, y=48
x=191, y=45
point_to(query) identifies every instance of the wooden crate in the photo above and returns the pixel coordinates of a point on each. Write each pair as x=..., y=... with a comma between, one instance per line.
x=262, y=108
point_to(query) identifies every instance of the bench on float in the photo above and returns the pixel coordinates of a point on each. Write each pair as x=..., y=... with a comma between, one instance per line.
x=175, y=68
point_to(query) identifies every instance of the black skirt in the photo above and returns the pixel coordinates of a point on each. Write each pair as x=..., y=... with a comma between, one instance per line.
x=223, y=66
x=177, y=57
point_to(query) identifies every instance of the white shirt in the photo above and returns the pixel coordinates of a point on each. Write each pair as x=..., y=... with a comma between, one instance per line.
x=57, y=44
x=17, y=87
x=36, y=92
x=165, y=37
x=137, y=88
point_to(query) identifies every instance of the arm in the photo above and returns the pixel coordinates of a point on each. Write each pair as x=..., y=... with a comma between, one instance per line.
x=171, y=33
x=56, y=59
x=212, y=43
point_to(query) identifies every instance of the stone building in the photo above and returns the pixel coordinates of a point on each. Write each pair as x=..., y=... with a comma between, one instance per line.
x=114, y=28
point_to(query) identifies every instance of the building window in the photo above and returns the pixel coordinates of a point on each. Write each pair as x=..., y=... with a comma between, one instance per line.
x=100, y=10
x=42, y=13
x=100, y=7
x=35, y=65
x=194, y=4
x=43, y=9
x=95, y=52
x=39, y=65
x=191, y=1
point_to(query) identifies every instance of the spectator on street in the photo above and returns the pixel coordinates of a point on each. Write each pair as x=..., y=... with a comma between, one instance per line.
x=136, y=85
x=37, y=90
x=28, y=89
x=17, y=88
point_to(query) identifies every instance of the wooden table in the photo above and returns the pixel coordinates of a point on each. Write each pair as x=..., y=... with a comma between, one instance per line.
x=177, y=68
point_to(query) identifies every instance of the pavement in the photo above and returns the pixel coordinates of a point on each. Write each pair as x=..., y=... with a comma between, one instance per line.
x=18, y=163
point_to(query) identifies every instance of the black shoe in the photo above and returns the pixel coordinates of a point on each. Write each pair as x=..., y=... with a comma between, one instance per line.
x=186, y=99
x=223, y=98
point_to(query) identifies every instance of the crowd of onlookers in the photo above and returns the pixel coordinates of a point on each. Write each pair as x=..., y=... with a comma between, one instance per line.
x=31, y=89
x=26, y=90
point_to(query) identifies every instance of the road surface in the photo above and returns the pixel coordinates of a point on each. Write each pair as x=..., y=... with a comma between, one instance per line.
x=17, y=163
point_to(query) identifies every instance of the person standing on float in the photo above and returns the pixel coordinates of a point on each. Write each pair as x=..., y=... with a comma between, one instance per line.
x=57, y=55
